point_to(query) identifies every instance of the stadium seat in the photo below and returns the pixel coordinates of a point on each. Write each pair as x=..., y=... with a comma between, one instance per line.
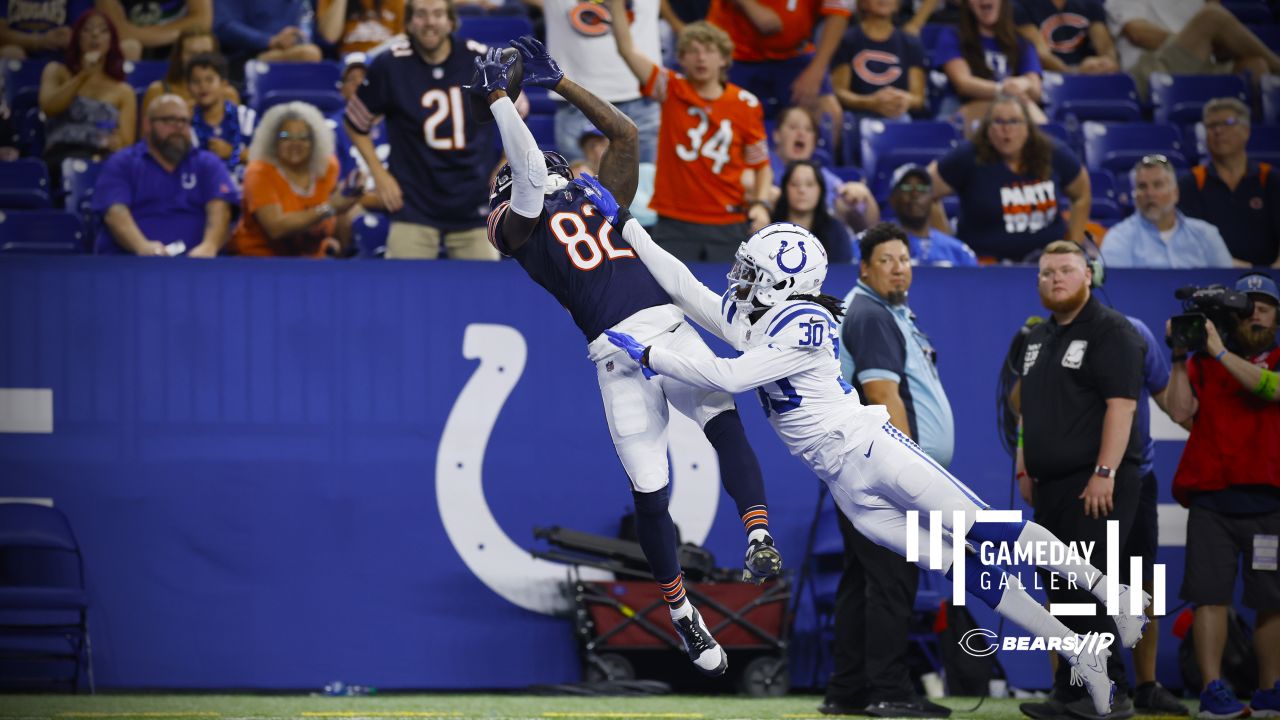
x=849, y=173
x=1106, y=201
x=1179, y=99
x=495, y=30
x=78, y=178
x=328, y=101
x=887, y=145
x=22, y=84
x=44, y=607
x=141, y=73
x=370, y=234
x=1067, y=136
x=1118, y=146
x=40, y=231
x=1271, y=99
x=262, y=78
x=1249, y=11
x=543, y=128
x=29, y=127
x=1108, y=98
x=24, y=185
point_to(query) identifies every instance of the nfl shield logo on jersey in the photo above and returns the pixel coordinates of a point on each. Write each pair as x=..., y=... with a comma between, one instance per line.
x=1074, y=356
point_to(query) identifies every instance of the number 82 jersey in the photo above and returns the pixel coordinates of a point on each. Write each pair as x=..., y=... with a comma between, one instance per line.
x=703, y=147
x=578, y=257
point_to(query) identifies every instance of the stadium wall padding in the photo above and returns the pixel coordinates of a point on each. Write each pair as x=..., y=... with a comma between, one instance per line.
x=249, y=451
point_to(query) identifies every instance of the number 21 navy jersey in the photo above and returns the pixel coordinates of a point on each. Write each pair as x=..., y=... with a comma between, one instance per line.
x=583, y=261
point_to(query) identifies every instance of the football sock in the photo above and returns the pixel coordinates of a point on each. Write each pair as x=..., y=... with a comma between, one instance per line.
x=657, y=535
x=739, y=471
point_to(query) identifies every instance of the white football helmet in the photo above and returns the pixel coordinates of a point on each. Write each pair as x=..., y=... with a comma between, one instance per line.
x=779, y=261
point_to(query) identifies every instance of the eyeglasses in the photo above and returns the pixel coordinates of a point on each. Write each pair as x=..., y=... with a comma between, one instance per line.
x=1223, y=124
x=1155, y=160
x=914, y=187
x=170, y=120
x=300, y=137
x=1008, y=122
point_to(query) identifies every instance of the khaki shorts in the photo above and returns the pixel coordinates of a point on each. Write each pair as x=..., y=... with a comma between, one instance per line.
x=1174, y=59
x=409, y=241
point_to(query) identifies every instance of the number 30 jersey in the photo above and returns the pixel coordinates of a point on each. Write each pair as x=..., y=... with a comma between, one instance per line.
x=440, y=156
x=583, y=261
x=703, y=147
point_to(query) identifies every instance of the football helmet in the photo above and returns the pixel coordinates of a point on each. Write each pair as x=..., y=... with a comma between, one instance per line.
x=556, y=165
x=772, y=265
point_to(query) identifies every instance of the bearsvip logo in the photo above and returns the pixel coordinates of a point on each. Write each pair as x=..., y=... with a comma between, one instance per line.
x=981, y=642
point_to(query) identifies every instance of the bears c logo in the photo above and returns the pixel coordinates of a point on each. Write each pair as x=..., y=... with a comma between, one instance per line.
x=877, y=67
x=592, y=18
x=1064, y=32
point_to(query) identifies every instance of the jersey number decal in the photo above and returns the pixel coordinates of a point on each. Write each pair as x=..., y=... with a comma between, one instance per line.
x=443, y=105
x=791, y=402
x=714, y=148
x=813, y=333
x=573, y=234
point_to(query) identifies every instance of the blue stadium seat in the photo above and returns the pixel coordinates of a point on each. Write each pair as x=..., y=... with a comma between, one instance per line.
x=40, y=231
x=849, y=173
x=1264, y=144
x=1268, y=34
x=1118, y=146
x=887, y=145
x=370, y=234
x=1249, y=11
x=24, y=185
x=22, y=84
x=30, y=131
x=1271, y=99
x=495, y=30
x=262, y=78
x=1106, y=200
x=1066, y=135
x=1108, y=98
x=1179, y=99
x=141, y=73
x=78, y=179
x=329, y=101
x=543, y=128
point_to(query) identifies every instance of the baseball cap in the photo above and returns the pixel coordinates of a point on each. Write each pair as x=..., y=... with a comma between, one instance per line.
x=1259, y=284
x=905, y=171
x=353, y=60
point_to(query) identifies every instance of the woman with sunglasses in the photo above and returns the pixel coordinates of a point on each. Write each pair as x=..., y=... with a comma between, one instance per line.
x=1012, y=181
x=294, y=204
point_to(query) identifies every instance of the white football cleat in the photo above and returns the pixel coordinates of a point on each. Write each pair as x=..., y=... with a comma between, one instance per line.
x=1129, y=625
x=703, y=650
x=1089, y=668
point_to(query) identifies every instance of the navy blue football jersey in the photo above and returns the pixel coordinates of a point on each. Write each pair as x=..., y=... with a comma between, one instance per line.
x=583, y=261
x=1065, y=29
x=440, y=156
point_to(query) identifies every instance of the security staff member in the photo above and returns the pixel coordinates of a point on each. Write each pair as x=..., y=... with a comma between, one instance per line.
x=1078, y=457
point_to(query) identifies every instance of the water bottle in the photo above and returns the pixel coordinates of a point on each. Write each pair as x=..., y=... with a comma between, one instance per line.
x=307, y=23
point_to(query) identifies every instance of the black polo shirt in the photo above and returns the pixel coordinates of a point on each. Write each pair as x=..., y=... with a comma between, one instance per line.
x=1068, y=373
x=1248, y=217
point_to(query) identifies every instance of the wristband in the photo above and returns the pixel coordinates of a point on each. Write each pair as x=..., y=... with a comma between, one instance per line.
x=326, y=210
x=1220, y=354
x=1267, y=385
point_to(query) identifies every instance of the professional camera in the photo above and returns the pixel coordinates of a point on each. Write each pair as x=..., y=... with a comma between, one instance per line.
x=1224, y=306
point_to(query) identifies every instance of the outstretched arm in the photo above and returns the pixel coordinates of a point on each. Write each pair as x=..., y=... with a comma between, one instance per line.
x=755, y=367
x=695, y=299
x=619, y=169
x=641, y=66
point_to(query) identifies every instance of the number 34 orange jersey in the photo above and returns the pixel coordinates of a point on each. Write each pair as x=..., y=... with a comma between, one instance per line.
x=703, y=147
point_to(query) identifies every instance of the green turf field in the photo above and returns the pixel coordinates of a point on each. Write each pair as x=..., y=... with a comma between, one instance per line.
x=408, y=707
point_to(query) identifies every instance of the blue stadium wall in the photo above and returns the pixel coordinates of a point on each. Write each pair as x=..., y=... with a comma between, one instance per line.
x=289, y=472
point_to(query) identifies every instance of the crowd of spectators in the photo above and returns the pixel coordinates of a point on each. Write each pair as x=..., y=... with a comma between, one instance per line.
x=745, y=109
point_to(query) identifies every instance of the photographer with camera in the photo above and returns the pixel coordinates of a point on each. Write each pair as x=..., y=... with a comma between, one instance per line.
x=1229, y=475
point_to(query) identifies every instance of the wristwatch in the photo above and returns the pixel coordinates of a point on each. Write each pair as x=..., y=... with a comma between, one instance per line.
x=1102, y=471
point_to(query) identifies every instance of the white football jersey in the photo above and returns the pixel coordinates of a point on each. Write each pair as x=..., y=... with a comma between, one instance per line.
x=790, y=356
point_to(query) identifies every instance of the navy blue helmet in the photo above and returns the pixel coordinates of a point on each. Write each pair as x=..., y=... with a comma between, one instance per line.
x=502, y=182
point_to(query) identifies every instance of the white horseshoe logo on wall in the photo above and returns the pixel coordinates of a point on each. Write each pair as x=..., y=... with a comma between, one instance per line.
x=505, y=567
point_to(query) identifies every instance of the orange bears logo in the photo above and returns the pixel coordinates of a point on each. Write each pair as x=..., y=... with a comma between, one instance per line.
x=877, y=67
x=591, y=18
x=1064, y=32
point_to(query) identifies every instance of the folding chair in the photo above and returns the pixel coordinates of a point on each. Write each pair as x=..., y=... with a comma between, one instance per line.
x=44, y=607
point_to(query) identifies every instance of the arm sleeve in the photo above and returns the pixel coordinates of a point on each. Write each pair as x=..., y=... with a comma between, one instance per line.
x=752, y=369
x=1117, y=363
x=1116, y=247
x=1156, y=364
x=956, y=166
x=1221, y=256
x=914, y=55
x=1065, y=164
x=947, y=48
x=839, y=8
x=113, y=185
x=371, y=99
x=695, y=299
x=528, y=167
x=844, y=51
x=233, y=32
x=1189, y=196
x=215, y=180
x=875, y=345
x=1030, y=58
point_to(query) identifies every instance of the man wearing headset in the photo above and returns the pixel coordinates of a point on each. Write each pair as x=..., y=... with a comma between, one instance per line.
x=1229, y=478
x=1078, y=457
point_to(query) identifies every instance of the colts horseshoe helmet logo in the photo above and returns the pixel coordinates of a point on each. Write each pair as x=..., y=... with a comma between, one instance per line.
x=782, y=253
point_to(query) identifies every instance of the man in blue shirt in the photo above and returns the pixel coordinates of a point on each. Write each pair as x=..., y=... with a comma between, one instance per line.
x=161, y=196
x=911, y=197
x=1157, y=234
x=886, y=357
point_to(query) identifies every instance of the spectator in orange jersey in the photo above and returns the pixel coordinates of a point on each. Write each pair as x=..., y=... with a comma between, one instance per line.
x=772, y=53
x=712, y=131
